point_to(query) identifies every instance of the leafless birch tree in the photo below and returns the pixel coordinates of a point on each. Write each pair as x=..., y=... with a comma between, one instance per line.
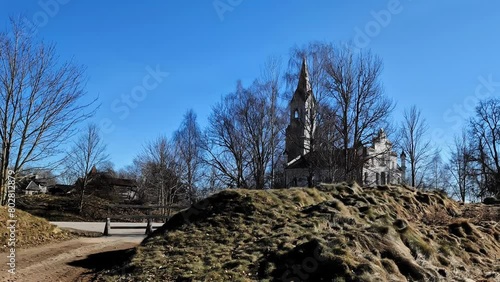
x=160, y=173
x=88, y=151
x=415, y=144
x=188, y=142
x=460, y=167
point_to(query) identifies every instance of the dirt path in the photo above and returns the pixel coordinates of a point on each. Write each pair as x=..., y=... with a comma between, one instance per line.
x=69, y=260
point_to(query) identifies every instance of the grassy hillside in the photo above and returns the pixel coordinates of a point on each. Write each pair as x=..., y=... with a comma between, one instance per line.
x=330, y=233
x=30, y=230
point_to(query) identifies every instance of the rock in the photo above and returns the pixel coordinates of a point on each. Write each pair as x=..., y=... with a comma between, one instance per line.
x=401, y=224
x=491, y=274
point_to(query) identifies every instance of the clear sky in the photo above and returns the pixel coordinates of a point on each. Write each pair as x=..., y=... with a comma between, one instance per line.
x=438, y=55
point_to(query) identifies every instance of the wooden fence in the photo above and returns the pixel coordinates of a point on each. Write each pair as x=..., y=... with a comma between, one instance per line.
x=149, y=216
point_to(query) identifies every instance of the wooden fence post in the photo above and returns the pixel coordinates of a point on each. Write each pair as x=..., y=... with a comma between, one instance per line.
x=107, y=227
x=149, y=227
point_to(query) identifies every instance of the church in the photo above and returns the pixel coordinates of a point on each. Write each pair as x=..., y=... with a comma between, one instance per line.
x=305, y=165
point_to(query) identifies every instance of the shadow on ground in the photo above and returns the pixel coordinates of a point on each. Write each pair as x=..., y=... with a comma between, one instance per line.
x=104, y=261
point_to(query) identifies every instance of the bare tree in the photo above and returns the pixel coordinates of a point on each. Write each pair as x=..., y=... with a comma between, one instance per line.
x=353, y=83
x=326, y=141
x=225, y=148
x=270, y=85
x=133, y=172
x=437, y=173
x=88, y=152
x=485, y=129
x=242, y=136
x=460, y=167
x=415, y=145
x=188, y=141
x=41, y=101
x=260, y=130
x=160, y=173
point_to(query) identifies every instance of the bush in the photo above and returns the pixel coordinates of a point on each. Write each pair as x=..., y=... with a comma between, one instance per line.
x=491, y=201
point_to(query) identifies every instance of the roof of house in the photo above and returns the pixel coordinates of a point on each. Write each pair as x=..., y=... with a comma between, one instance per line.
x=314, y=159
x=122, y=182
x=33, y=186
x=61, y=188
x=103, y=177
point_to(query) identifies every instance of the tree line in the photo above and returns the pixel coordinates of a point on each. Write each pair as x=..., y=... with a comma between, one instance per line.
x=243, y=144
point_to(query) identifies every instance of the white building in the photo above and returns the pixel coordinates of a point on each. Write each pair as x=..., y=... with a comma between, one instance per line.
x=35, y=187
x=381, y=166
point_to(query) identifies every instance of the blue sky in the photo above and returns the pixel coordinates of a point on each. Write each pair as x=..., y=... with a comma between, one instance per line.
x=438, y=55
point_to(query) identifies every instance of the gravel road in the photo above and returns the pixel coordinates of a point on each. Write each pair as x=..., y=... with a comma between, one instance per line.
x=75, y=259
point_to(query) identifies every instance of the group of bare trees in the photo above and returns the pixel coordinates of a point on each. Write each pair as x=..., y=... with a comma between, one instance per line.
x=244, y=137
x=168, y=171
x=472, y=171
x=159, y=172
x=243, y=143
x=475, y=160
x=41, y=102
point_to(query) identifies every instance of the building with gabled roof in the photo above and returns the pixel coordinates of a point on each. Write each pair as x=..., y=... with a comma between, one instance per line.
x=35, y=187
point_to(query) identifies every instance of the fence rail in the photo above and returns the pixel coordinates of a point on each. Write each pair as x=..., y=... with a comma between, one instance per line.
x=149, y=225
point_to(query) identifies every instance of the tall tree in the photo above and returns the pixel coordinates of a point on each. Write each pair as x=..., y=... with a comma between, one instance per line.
x=460, y=167
x=415, y=144
x=270, y=84
x=437, y=173
x=353, y=84
x=88, y=152
x=241, y=134
x=188, y=142
x=485, y=129
x=41, y=100
x=160, y=173
x=225, y=148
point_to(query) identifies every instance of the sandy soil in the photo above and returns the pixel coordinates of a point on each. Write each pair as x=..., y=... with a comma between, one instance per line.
x=72, y=260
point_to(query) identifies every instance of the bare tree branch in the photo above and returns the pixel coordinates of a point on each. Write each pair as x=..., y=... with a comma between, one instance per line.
x=41, y=100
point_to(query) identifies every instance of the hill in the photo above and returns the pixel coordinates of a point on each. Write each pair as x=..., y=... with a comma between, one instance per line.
x=329, y=233
x=30, y=230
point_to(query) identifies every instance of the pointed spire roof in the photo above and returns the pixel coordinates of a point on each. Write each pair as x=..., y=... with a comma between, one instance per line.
x=304, y=77
x=304, y=88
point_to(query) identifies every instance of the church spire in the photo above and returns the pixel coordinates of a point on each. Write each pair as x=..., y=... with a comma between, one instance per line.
x=304, y=83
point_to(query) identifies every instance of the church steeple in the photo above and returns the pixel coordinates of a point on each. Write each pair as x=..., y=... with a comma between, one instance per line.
x=301, y=129
x=304, y=83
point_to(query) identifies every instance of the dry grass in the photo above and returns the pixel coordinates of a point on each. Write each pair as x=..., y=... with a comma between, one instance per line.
x=30, y=230
x=334, y=232
x=65, y=208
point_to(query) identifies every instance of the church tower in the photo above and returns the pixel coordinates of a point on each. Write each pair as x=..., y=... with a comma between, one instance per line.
x=302, y=118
